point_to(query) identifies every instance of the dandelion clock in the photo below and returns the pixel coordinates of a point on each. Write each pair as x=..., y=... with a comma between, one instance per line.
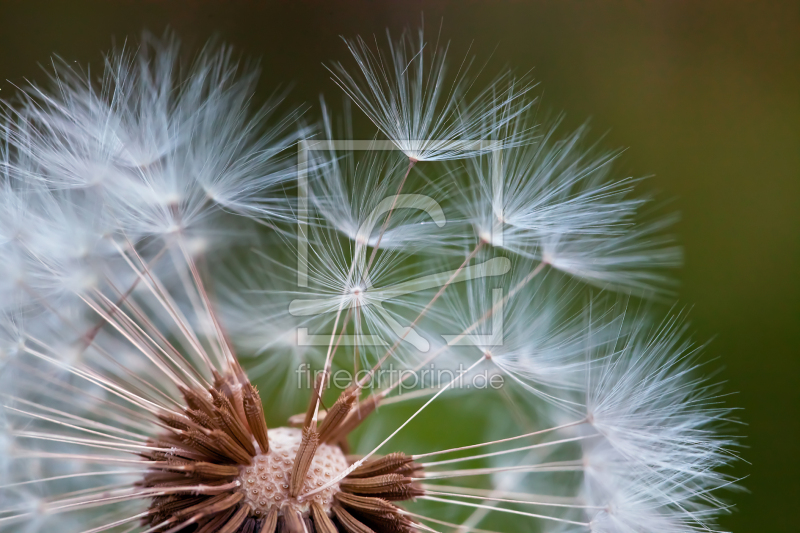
x=220, y=314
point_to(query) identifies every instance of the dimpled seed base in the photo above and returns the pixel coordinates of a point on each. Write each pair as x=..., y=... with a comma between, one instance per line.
x=266, y=482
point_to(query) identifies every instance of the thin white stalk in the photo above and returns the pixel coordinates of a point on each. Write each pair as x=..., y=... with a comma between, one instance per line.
x=543, y=499
x=443, y=523
x=92, y=423
x=329, y=355
x=72, y=476
x=137, y=343
x=499, y=305
x=117, y=523
x=162, y=296
x=148, y=325
x=513, y=450
x=331, y=348
x=411, y=163
x=201, y=289
x=65, y=505
x=100, y=407
x=505, y=500
x=99, y=459
x=503, y=510
x=421, y=314
x=558, y=466
x=89, y=443
x=361, y=461
x=540, y=432
x=121, y=321
x=102, y=382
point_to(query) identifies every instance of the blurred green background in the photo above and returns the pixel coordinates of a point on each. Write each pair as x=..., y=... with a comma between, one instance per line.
x=705, y=94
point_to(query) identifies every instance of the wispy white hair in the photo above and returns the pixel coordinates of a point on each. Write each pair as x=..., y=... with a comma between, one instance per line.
x=164, y=145
x=406, y=94
x=353, y=190
x=648, y=401
x=555, y=200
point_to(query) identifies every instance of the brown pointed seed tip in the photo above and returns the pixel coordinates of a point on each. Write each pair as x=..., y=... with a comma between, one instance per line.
x=337, y=413
x=302, y=461
x=355, y=417
x=392, y=487
x=254, y=411
x=213, y=525
x=349, y=522
x=270, y=522
x=292, y=521
x=236, y=520
x=366, y=504
x=197, y=400
x=322, y=522
x=388, y=464
x=214, y=470
x=230, y=448
x=228, y=420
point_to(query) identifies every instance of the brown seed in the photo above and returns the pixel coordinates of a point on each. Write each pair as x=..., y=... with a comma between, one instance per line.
x=212, y=505
x=322, y=523
x=349, y=522
x=174, y=421
x=391, y=487
x=374, y=484
x=292, y=521
x=214, y=470
x=197, y=400
x=228, y=420
x=236, y=520
x=312, y=402
x=270, y=522
x=366, y=504
x=337, y=414
x=302, y=461
x=385, y=465
x=388, y=524
x=254, y=411
x=204, y=444
x=213, y=525
x=225, y=443
x=355, y=417
x=201, y=419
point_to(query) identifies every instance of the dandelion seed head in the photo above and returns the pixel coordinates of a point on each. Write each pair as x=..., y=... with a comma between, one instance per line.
x=138, y=314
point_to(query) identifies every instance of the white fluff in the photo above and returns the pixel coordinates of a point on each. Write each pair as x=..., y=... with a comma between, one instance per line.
x=165, y=148
x=555, y=200
x=406, y=93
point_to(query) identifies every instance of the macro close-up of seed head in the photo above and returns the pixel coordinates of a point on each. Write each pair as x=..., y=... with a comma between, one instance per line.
x=423, y=302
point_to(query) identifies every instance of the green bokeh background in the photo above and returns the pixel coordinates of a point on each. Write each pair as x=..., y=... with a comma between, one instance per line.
x=705, y=94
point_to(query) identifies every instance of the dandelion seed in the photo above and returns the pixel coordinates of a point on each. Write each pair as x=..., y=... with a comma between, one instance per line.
x=405, y=94
x=554, y=201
